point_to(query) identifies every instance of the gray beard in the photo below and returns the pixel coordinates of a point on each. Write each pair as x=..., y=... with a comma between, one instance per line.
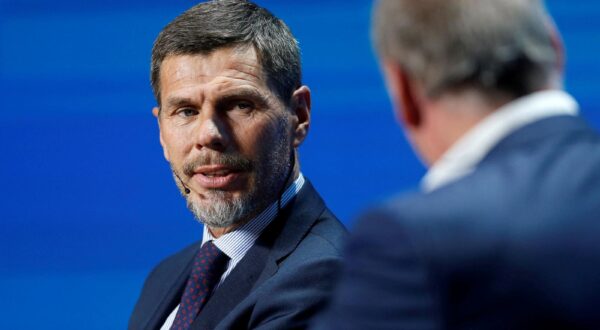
x=220, y=212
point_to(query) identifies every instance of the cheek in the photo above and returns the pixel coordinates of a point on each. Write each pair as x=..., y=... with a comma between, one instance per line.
x=176, y=144
x=276, y=143
x=252, y=143
x=267, y=148
x=256, y=134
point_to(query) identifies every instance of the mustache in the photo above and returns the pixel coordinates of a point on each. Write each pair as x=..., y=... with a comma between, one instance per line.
x=235, y=162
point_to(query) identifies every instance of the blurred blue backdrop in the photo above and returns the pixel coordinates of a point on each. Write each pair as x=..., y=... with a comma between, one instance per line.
x=87, y=202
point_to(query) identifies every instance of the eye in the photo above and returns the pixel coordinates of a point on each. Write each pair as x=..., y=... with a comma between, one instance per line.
x=187, y=112
x=243, y=105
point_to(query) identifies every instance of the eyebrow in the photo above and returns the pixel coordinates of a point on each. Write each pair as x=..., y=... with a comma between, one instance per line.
x=244, y=93
x=177, y=101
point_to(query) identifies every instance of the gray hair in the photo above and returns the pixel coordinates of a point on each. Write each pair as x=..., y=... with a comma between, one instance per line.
x=490, y=45
x=225, y=23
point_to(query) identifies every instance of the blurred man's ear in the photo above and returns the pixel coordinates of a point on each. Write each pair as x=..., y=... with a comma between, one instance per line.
x=156, y=113
x=557, y=44
x=301, y=114
x=402, y=91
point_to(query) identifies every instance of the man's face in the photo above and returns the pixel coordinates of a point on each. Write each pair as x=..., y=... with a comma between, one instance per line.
x=225, y=134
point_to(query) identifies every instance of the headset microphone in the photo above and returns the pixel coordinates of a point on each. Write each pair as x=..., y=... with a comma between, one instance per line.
x=185, y=188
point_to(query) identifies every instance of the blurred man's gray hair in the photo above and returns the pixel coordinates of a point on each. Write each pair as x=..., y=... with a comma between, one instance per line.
x=494, y=46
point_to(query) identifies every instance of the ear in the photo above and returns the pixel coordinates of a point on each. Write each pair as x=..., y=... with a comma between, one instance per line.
x=301, y=112
x=404, y=95
x=156, y=113
x=557, y=44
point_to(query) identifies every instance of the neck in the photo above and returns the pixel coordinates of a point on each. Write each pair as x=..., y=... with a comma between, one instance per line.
x=218, y=232
x=452, y=116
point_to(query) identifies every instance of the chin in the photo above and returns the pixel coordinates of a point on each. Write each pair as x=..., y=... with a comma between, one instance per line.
x=218, y=210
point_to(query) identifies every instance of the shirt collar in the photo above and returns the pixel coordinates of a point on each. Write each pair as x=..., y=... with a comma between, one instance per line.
x=463, y=156
x=236, y=243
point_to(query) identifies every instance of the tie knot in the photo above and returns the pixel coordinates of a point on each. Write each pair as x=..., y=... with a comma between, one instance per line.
x=211, y=259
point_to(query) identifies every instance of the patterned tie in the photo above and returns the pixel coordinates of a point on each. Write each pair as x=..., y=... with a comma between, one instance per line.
x=209, y=265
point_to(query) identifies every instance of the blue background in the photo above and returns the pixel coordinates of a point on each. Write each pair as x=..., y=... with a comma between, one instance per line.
x=87, y=202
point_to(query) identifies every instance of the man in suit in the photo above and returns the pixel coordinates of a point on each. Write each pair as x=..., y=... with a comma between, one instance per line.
x=504, y=232
x=232, y=111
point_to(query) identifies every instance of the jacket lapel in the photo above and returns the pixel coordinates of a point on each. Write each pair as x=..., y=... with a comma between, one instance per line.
x=171, y=293
x=294, y=224
x=278, y=240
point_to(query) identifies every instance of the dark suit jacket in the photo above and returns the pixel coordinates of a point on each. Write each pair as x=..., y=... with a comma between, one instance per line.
x=514, y=245
x=285, y=278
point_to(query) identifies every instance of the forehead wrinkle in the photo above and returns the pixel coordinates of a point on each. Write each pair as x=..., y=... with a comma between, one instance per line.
x=236, y=81
x=200, y=75
x=225, y=90
x=196, y=89
x=239, y=71
x=251, y=69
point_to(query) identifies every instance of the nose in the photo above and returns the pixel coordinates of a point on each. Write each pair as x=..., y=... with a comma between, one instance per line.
x=212, y=132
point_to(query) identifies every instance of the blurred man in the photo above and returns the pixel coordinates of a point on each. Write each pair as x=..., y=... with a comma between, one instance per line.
x=505, y=234
x=232, y=112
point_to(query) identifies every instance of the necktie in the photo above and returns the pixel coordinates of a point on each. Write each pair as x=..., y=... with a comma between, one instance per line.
x=208, y=267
